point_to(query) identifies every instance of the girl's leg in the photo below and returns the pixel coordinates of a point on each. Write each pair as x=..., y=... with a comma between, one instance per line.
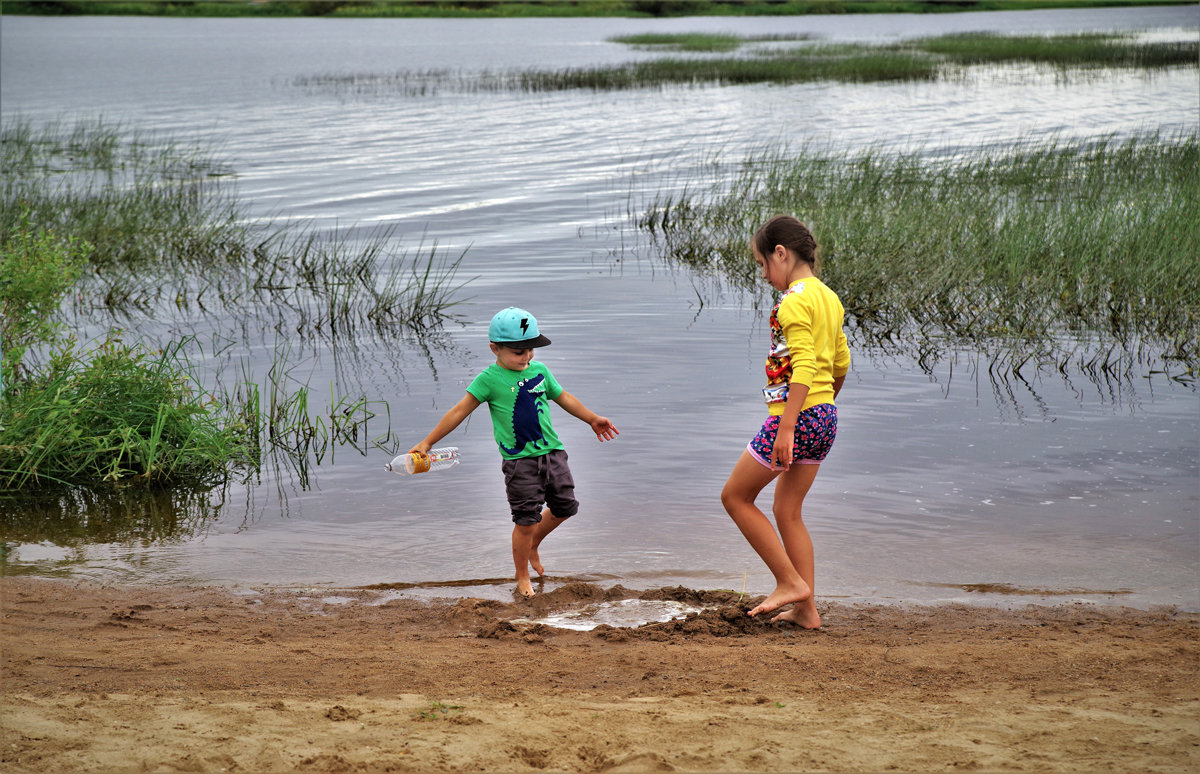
x=745, y=482
x=790, y=491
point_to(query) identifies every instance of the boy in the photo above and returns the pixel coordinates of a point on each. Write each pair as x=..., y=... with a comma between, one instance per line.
x=516, y=388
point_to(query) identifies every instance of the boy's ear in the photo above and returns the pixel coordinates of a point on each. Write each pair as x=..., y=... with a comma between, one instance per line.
x=494, y=347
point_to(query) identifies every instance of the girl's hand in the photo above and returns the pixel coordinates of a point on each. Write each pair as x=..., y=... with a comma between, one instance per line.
x=604, y=429
x=421, y=448
x=781, y=453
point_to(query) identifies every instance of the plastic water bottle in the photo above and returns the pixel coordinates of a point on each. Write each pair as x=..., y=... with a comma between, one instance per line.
x=411, y=463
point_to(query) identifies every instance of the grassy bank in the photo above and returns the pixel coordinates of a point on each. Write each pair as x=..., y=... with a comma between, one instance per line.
x=1031, y=252
x=537, y=8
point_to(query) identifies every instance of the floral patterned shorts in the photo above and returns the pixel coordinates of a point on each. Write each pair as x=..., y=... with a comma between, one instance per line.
x=816, y=427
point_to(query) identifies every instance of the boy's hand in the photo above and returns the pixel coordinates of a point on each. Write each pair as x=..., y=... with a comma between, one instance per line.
x=604, y=429
x=421, y=448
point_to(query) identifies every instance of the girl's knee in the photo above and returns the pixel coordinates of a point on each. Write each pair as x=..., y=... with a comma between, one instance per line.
x=789, y=512
x=734, y=497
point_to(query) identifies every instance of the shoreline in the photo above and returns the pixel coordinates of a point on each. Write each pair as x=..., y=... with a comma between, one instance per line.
x=117, y=678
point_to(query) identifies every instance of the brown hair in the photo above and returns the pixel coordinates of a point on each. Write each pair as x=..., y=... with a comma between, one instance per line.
x=791, y=233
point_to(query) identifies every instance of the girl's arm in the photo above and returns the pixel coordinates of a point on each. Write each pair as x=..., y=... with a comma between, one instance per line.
x=604, y=429
x=452, y=419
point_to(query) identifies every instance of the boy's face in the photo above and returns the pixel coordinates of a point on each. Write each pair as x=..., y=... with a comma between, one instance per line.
x=512, y=359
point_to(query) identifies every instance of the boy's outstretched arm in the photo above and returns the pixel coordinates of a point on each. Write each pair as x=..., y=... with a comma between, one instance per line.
x=450, y=420
x=604, y=429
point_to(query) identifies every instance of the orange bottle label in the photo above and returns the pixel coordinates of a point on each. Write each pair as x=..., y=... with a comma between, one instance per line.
x=420, y=462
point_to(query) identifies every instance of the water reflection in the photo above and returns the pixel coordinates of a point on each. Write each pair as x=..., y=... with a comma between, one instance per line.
x=86, y=516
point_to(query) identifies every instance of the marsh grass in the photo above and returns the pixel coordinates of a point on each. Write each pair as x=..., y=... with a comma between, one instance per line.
x=917, y=60
x=163, y=234
x=167, y=231
x=687, y=41
x=700, y=42
x=1027, y=253
x=1080, y=50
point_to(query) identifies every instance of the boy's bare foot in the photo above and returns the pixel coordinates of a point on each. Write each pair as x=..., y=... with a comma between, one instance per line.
x=536, y=563
x=525, y=588
x=806, y=618
x=781, y=596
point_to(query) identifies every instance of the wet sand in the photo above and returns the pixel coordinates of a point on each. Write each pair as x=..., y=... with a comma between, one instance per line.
x=114, y=679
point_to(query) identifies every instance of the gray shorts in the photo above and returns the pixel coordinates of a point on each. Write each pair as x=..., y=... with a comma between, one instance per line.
x=532, y=481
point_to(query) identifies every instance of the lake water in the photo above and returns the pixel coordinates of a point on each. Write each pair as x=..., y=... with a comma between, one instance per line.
x=944, y=485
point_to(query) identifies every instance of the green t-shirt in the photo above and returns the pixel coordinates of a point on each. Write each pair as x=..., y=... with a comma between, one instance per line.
x=519, y=404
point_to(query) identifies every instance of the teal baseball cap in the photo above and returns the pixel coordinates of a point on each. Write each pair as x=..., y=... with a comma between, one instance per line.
x=517, y=329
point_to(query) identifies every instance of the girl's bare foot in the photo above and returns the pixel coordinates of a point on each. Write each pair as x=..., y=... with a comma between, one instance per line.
x=525, y=588
x=781, y=596
x=536, y=563
x=804, y=616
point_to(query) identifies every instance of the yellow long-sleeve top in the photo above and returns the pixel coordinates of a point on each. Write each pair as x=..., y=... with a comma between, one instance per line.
x=808, y=345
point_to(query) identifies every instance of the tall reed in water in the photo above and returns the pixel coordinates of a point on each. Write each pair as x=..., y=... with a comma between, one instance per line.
x=1024, y=244
x=166, y=230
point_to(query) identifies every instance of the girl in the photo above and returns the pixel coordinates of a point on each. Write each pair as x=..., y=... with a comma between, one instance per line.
x=805, y=371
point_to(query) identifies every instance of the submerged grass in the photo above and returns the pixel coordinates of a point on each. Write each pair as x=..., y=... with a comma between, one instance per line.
x=1032, y=249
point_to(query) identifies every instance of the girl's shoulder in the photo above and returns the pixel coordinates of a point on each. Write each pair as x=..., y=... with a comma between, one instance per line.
x=796, y=292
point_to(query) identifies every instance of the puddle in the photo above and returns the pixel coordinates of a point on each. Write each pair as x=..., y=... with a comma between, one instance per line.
x=622, y=613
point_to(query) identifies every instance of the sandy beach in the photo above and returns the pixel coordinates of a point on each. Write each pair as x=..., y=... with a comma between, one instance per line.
x=115, y=679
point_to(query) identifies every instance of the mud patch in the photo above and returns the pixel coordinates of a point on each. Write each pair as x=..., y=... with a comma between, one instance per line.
x=716, y=613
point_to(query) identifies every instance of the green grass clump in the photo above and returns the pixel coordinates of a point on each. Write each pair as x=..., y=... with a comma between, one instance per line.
x=1032, y=248
x=36, y=271
x=119, y=415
